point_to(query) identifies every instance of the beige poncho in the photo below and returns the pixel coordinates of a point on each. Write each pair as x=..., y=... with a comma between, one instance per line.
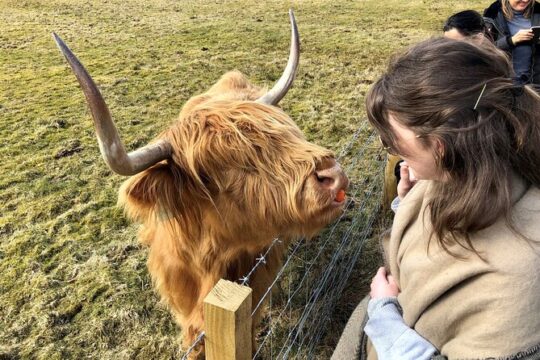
x=470, y=309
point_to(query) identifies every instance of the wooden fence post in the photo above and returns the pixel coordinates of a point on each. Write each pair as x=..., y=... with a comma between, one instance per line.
x=227, y=319
x=390, y=181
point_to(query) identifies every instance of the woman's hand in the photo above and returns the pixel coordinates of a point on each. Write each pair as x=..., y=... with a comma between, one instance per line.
x=382, y=285
x=407, y=181
x=522, y=36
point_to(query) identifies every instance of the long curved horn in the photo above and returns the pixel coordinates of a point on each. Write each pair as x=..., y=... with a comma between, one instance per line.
x=111, y=146
x=279, y=90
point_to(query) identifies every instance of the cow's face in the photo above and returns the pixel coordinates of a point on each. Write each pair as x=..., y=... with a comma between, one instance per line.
x=238, y=167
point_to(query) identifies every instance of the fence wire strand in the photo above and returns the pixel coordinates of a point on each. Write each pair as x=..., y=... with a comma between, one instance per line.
x=197, y=341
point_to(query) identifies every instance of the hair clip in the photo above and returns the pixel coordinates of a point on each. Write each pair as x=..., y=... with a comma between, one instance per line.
x=479, y=97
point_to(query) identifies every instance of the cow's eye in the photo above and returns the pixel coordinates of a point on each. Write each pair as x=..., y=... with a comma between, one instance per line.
x=324, y=180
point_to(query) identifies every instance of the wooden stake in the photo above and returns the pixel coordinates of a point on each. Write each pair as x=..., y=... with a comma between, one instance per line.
x=227, y=319
x=390, y=181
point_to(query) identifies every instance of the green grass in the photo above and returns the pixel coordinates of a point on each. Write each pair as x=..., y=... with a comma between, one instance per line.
x=73, y=281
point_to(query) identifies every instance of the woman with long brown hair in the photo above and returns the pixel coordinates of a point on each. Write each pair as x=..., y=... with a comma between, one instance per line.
x=464, y=249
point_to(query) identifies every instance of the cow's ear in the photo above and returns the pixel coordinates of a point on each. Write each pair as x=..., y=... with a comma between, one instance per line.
x=149, y=192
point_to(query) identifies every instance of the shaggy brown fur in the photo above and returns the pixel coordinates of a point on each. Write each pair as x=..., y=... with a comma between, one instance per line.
x=241, y=174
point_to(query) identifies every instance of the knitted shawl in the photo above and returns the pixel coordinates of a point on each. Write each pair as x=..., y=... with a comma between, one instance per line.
x=470, y=308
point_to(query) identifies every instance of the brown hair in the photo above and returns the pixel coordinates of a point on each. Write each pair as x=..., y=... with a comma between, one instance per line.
x=432, y=89
x=508, y=12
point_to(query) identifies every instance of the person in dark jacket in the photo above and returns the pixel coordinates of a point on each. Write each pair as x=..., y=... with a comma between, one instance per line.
x=512, y=21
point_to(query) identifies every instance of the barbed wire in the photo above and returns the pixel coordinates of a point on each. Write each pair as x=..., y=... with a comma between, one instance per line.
x=260, y=260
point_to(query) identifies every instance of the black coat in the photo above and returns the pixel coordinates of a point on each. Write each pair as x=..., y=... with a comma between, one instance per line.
x=501, y=34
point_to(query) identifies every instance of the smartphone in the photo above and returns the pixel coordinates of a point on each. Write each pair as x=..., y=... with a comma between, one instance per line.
x=536, y=31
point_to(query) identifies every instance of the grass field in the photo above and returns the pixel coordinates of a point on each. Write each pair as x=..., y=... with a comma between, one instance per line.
x=73, y=281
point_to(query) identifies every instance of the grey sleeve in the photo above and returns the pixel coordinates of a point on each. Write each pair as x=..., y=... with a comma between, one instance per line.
x=391, y=337
x=395, y=204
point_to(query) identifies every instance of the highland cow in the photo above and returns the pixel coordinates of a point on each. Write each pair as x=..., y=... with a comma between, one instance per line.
x=232, y=173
